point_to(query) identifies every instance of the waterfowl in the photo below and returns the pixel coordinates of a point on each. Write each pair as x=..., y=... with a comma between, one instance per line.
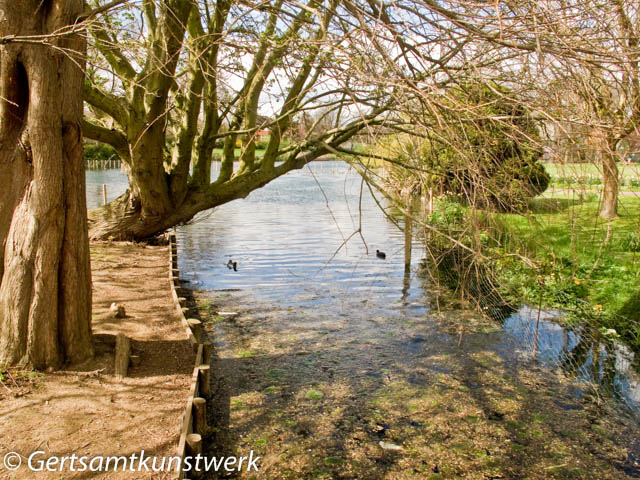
x=380, y=254
x=231, y=264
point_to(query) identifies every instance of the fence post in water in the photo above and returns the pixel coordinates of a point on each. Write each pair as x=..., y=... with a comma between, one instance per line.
x=104, y=193
x=408, y=232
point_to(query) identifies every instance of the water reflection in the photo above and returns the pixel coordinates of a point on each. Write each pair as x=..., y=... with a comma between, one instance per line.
x=580, y=354
x=283, y=236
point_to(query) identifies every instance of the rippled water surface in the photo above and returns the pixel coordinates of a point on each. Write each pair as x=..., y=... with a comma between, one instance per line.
x=288, y=240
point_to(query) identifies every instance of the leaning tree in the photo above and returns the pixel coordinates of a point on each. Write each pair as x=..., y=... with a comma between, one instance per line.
x=176, y=85
x=45, y=282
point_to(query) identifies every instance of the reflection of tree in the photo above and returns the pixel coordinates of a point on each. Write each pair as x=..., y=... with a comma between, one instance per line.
x=607, y=385
x=578, y=356
x=602, y=368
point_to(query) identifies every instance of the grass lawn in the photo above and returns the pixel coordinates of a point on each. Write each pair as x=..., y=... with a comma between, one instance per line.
x=588, y=176
x=584, y=262
x=589, y=169
x=238, y=151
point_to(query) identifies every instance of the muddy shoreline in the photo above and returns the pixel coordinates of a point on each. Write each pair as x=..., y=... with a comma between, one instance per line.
x=363, y=397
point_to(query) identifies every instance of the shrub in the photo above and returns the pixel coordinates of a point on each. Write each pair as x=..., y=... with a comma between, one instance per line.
x=488, y=154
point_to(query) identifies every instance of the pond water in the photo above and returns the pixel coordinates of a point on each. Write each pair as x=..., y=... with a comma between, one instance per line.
x=288, y=241
x=310, y=301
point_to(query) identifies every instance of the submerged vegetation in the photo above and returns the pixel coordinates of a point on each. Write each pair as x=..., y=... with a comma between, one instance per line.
x=418, y=408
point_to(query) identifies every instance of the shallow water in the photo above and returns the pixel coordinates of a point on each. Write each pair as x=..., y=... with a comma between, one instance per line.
x=283, y=238
x=334, y=350
x=288, y=241
x=115, y=180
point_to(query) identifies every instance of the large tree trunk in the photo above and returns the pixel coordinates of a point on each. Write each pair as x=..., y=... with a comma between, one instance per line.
x=609, y=207
x=45, y=284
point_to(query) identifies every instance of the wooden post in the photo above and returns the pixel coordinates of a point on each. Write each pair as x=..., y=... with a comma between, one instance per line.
x=199, y=415
x=408, y=237
x=196, y=327
x=204, y=378
x=123, y=349
x=206, y=352
x=104, y=193
x=193, y=448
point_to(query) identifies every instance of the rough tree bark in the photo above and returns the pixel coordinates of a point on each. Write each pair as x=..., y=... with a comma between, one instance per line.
x=45, y=281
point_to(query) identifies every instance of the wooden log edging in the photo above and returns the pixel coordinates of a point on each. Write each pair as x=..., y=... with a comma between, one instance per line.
x=178, y=301
x=200, y=388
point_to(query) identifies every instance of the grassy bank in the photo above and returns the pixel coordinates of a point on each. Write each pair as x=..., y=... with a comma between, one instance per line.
x=559, y=254
x=578, y=262
x=584, y=169
x=588, y=176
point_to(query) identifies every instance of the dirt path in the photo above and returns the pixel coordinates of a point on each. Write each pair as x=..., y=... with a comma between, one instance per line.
x=361, y=397
x=84, y=409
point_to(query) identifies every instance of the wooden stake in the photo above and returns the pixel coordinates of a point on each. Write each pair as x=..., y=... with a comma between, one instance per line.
x=134, y=360
x=200, y=416
x=193, y=448
x=123, y=349
x=204, y=378
x=195, y=325
x=206, y=353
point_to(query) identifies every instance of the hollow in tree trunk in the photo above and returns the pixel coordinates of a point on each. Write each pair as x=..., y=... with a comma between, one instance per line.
x=45, y=281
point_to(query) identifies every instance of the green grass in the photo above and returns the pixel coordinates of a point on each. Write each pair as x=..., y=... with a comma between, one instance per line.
x=313, y=395
x=237, y=151
x=582, y=263
x=247, y=353
x=627, y=171
x=588, y=176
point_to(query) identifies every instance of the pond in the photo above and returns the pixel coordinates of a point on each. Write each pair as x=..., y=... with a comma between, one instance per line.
x=335, y=351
